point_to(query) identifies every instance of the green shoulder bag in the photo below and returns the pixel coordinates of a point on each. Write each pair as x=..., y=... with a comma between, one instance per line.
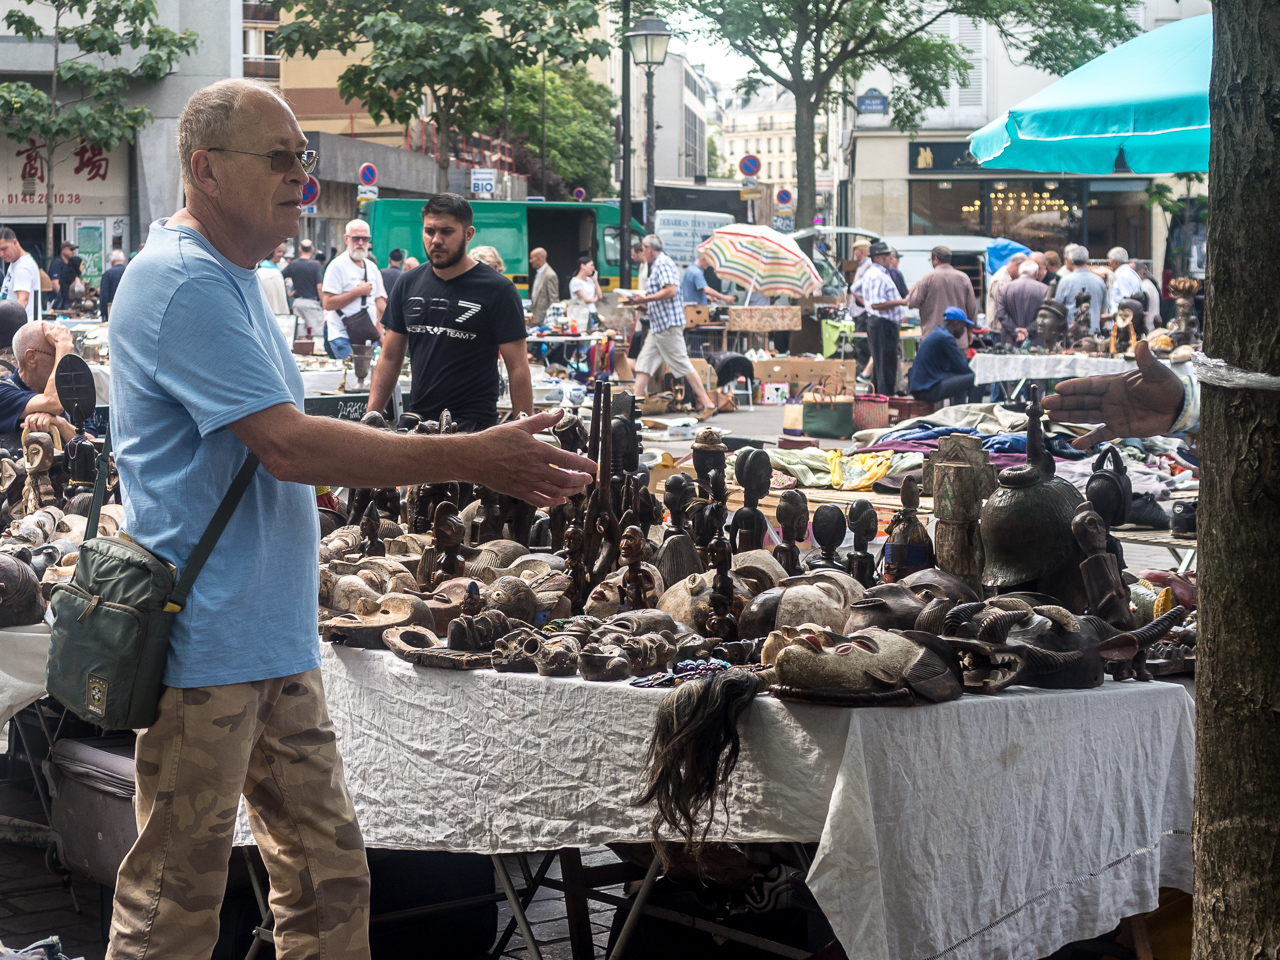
x=112, y=621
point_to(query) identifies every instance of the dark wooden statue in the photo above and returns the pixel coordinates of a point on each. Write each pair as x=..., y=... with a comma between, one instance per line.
x=677, y=493
x=1108, y=595
x=709, y=456
x=576, y=568
x=753, y=472
x=908, y=547
x=721, y=623
x=1081, y=325
x=448, y=534
x=793, y=518
x=828, y=532
x=637, y=582
x=370, y=530
x=864, y=524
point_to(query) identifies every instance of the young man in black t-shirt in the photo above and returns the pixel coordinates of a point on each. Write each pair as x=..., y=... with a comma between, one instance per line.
x=456, y=316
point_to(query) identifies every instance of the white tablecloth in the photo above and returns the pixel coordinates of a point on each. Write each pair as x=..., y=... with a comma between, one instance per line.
x=985, y=828
x=993, y=367
x=23, y=652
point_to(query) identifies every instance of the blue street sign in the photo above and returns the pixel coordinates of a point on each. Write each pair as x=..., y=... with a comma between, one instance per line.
x=311, y=192
x=368, y=174
x=784, y=197
x=579, y=194
x=749, y=165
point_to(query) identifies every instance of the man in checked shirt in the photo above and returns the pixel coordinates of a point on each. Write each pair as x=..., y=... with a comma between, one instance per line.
x=885, y=310
x=665, y=340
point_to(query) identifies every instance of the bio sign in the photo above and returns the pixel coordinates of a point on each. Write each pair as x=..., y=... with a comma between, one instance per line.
x=749, y=165
x=484, y=182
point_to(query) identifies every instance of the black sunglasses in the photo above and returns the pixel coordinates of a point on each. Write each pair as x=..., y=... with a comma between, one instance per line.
x=281, y=160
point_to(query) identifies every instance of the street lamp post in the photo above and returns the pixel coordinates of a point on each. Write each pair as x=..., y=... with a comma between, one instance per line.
x=648, y=41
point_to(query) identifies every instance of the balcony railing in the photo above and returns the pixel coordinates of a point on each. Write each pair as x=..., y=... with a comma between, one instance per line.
x=262, y=68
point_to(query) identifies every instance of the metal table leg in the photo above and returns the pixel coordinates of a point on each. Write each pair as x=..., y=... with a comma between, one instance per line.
x=637, y=908
x=532, y=883
x=516, y=909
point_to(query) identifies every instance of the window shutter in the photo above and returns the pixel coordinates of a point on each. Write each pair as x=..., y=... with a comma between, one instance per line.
x=971, y=34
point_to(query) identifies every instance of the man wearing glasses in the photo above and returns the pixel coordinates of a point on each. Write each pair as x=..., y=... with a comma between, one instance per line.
x=201, y=376
x=354, y=296
x=28, y=397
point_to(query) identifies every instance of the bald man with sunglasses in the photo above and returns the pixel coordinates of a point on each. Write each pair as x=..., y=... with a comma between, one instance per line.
x=201, y=379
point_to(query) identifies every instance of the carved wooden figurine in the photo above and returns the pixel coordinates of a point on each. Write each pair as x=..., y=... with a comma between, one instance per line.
x=908, y=547
x=637, y=582
x=1108, y=595
x=576, y=568
x=828, y=532
x=721, y=623
x=1082, y=320
x=865, y=524
x=753, y=472
x=447, y=535
x=793, y=518
x=371, y=544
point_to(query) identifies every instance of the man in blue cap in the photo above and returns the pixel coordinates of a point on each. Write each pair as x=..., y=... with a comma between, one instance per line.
x=940, y=371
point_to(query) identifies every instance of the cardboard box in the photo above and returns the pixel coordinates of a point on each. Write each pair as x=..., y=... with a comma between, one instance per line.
x=703, y=370
x=658, y=477
x=695, y=315
x=772, y=371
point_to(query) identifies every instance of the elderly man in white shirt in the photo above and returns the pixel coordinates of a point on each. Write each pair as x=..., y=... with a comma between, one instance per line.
x=1127, y=282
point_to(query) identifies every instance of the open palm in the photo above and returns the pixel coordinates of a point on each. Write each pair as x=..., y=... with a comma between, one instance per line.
x=1140, y=403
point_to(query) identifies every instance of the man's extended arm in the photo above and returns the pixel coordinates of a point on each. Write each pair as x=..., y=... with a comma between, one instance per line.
x=387, y=372
x=666, y=293
x=516, y=357
x=328, y=451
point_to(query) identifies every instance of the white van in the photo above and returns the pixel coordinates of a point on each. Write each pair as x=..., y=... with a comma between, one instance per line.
x=682, y=230
x=968, y=255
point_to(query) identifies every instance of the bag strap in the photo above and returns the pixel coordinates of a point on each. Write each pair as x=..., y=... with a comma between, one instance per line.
x=99, y=485
x=221, y=517
x=364, y=301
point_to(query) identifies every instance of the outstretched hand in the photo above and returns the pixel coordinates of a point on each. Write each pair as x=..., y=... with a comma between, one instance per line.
x=1140, y=403
x=510, y=460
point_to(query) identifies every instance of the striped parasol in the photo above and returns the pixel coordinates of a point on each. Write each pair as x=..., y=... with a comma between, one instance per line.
x=760, y=258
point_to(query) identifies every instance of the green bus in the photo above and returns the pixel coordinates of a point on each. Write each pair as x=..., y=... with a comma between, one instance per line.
x=566, y=231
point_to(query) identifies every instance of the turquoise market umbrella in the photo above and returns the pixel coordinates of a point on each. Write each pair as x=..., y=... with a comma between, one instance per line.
x=1148, y=97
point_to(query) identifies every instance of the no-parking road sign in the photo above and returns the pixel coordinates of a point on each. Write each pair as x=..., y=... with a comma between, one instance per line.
x=749, y=165
x=368, y=174
x=311, y=192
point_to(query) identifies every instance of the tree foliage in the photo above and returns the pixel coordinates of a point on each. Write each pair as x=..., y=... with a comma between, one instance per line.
x=94, y=42
x=580, y=139
x=817, y=48
x=460, y=53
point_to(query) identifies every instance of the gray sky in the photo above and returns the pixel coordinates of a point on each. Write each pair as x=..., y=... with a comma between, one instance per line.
x=722, y=64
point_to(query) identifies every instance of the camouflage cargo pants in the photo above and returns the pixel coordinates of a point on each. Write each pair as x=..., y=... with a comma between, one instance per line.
x=270, y=740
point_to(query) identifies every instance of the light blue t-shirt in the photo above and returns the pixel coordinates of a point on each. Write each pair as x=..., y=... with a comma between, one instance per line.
x=194, y=347
x=1082, y=278
x=693, y=286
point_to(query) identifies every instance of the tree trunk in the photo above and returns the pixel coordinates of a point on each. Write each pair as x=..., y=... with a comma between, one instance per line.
x=1237, y=805
x=806, y=193
x=50, y=146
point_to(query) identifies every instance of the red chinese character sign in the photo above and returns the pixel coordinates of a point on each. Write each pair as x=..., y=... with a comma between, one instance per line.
x=90, y=181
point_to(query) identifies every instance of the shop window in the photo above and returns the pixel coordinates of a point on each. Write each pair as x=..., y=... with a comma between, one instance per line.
x=1042, y=214
x=947, y=206
x=1118, y=217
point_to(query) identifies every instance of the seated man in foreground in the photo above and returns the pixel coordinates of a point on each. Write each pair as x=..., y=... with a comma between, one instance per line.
x=28, y=398
x=940, y=371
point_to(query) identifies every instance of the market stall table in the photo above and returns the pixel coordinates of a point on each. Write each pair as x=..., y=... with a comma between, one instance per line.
x=987, y=827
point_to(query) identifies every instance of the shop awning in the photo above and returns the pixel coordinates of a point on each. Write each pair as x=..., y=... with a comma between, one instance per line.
x=1144, y=104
